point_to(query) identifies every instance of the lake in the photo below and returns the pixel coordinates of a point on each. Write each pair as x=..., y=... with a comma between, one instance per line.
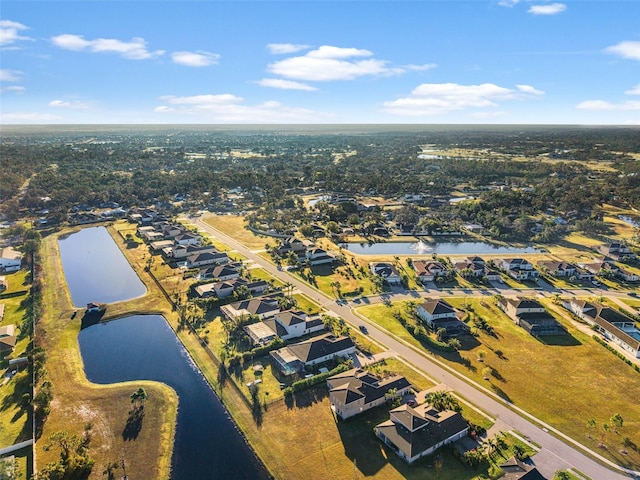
x=96, y=270
x=144, y=347
x=440, y=248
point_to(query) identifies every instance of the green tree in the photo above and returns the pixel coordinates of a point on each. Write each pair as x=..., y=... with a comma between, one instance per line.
x=138, y=398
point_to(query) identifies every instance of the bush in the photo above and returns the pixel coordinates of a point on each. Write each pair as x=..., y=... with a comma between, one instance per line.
x=617, y=353
x=315, y=380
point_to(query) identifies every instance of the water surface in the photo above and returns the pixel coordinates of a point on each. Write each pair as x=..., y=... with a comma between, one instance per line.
x=441, y=248
x=96, y=270
x=143, y=347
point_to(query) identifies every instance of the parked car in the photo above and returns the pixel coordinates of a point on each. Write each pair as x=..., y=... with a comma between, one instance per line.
x=363, y=329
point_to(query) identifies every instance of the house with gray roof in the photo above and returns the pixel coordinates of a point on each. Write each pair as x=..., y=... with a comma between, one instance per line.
x=263, y=307
x=286, y=325
x=356, y=391
x=10, y=260
x=7, y=339
x=611, y=324
x=437, y=313
x=531, y=315
x=415, y=432
x=295, y=357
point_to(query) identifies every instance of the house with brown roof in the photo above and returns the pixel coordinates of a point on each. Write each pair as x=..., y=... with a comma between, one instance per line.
x=470, y=267
x=428, y=270
x=557, y=268
x=356, y=391
x=617, y=251
x=295, y=357
x=611, y=324
x=515, y=469
x=415, y=432
x=531, y=315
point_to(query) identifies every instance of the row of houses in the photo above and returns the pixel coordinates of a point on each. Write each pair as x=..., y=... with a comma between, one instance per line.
x=612, y=324
x=412, y=432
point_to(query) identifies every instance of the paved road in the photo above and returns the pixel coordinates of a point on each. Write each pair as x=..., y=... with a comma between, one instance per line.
x=566, y=451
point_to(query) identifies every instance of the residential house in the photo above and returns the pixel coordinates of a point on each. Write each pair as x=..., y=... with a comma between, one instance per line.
x=10, y=260
x=286, y=325
x=184, y=251
x=428, y=270
x=356, y=391
x=601, y=266
x=519, y=268
x=295, y=357
x=7, y=339
x=557, y=268
x=226, y=288
x=515, y=469
x=187, y=238
x=207, y=258
x=262, y=307
x=93, y=307
x=617, y=251
x=628, y=275
x=612, y=324
x=318, y=256
x=470, y=267
x=387, y=271
x=295, y=245
x=437, y=314
x=415, y=432
x=531, y=315
x=220, y=272
x=160, y=245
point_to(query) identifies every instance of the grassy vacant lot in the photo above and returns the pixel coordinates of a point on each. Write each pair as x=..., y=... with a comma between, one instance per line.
x=564, y=381
x=234, y=226
x=15, y=423
x=77, y=402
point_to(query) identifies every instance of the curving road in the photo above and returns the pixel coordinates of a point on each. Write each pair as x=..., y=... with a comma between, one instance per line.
x=557, y=454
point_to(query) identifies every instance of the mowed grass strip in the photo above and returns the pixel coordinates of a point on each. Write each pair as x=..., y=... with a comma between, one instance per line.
x=77, y=402
x=563, y=380
x=234, y=226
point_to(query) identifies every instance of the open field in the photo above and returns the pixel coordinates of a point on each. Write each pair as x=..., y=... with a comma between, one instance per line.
x=234, y=226
x=77, y=402
x=554, y=380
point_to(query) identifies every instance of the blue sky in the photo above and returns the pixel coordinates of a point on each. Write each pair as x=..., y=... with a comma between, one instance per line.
x=481, y=61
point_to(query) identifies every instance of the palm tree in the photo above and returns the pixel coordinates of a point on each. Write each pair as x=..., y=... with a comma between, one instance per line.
x=617, y=422
x=591, y=423
x=138, y=398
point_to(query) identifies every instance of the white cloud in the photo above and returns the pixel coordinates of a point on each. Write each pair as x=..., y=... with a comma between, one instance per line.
x=136, y=49
x=420, y=68
x=199, y=58
x=13, y=88
x=285, y=84
x=328, y=63
x=27, y=117
x=627, y=49
x=529, y=89
x=281, y=48
x=228, y=108
x=67, y=104
x=9, y=32
x=508, y=3
x=549, y=9
x=634, y=91
x=7, y=75
x=442, y=98
x=602, y=105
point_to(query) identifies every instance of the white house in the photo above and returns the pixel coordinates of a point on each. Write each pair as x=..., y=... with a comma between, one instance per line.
x=294, y=358
x=286, y=325
x=10, y=260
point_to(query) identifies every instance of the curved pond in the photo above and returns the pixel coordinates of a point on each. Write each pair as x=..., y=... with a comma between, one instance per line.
x=96, y=270
x=144, y=347
x=441, y=248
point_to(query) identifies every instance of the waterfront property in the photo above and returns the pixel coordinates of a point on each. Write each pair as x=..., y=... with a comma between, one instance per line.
x=531, y=315
x=356, y=391
x=263, y=307
x=428, y=270
x=415, y=432
x=295, y=357
x=286, y=325
x=612, y=324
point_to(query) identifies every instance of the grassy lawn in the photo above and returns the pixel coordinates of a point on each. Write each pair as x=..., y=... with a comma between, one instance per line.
x=77, y=402
x=307, y=305
x=15, y=421
x=234, y=226
x=528, y=373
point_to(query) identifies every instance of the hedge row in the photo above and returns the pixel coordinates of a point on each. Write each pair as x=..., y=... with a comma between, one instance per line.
x=315, y=380
x=255, y=352
x=617, y=353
